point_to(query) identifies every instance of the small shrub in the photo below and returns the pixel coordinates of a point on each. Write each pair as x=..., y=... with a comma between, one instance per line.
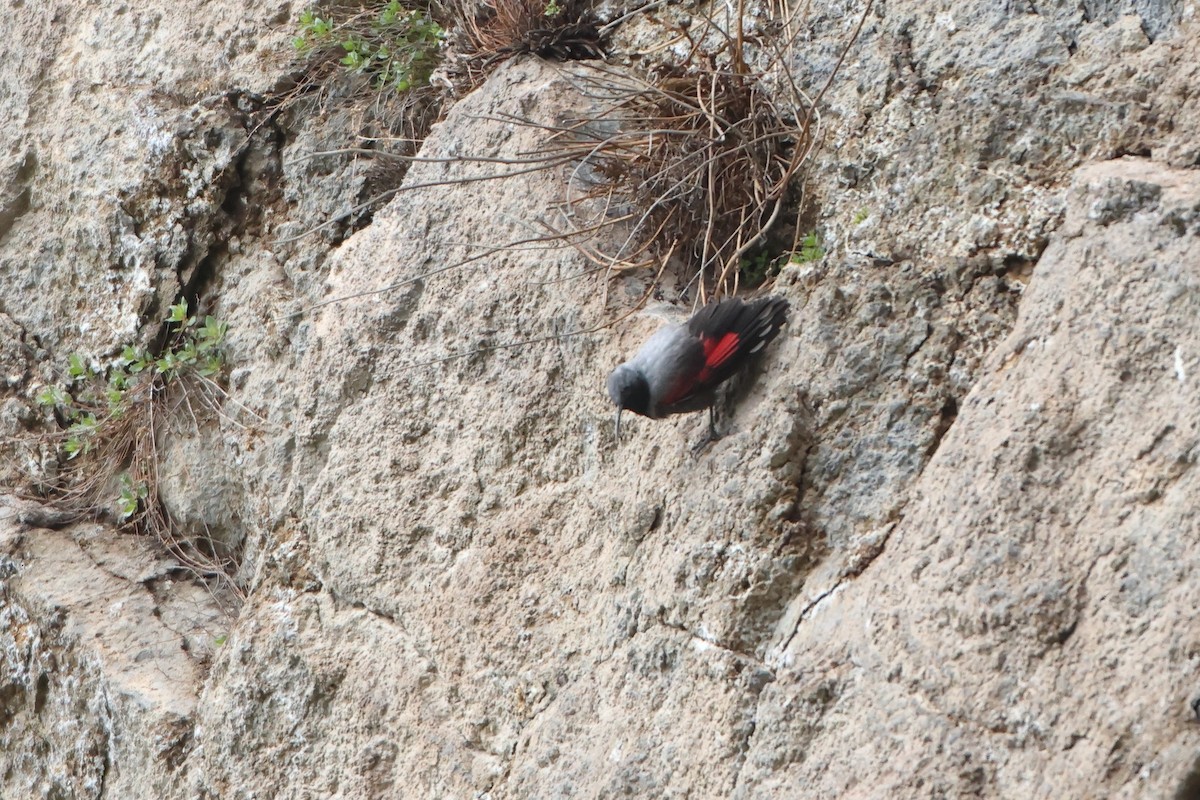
x=110, y=421
x=396, y=47
x=370, y=64
x=760, y=266
x=756, y=269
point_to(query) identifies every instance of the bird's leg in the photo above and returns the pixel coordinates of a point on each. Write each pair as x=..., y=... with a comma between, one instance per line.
x=711, y=436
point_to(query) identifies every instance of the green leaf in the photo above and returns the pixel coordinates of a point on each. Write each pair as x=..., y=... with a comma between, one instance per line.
x=80, y=438
x=131, y=495
x=76, y=368
x=85, y=425
x=213, y=331
x=187, y=353
x=50, y=396
x=179, y=312
x=127, y=506
x=135, y=359
x=166, y=365
x=211, y=366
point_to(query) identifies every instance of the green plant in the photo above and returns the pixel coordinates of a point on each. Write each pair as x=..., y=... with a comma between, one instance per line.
x=132, y=495
x=861, y=216
x=110, y=419
x=756, y=268
x=397, y=47
x=312, y=29
x=810, y=250
x=553, y=9
x=368, y=62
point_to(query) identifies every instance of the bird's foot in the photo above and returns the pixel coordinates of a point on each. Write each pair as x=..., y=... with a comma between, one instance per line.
x=710, y=436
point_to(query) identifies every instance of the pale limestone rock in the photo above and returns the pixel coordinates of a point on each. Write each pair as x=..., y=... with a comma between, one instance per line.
x=947, y=549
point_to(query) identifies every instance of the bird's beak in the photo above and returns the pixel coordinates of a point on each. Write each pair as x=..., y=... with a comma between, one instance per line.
x=619, y=410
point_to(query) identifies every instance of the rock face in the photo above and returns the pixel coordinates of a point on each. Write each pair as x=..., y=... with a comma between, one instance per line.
x=1027, y=623
x=948, y=549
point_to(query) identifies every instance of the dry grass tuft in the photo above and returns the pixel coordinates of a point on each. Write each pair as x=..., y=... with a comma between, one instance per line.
x=488, y=32
x=696, y=162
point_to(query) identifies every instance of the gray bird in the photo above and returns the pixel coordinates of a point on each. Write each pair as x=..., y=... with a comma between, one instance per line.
x=680, y=367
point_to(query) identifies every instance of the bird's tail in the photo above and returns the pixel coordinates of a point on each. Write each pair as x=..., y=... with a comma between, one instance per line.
x=766, y=316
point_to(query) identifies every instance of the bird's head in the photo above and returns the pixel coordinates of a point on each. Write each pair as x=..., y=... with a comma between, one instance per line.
x=629, y=390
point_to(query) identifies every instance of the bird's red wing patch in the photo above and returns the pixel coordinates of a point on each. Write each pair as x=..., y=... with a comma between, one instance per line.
x=717, y=352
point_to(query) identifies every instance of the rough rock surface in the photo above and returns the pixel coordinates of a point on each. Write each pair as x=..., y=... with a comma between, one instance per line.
x=1028, y=623
x=103, y=646
x=947, y=550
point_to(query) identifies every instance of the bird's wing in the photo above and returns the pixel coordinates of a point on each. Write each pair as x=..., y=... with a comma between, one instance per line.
x=710, y=354
x=726, y=333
